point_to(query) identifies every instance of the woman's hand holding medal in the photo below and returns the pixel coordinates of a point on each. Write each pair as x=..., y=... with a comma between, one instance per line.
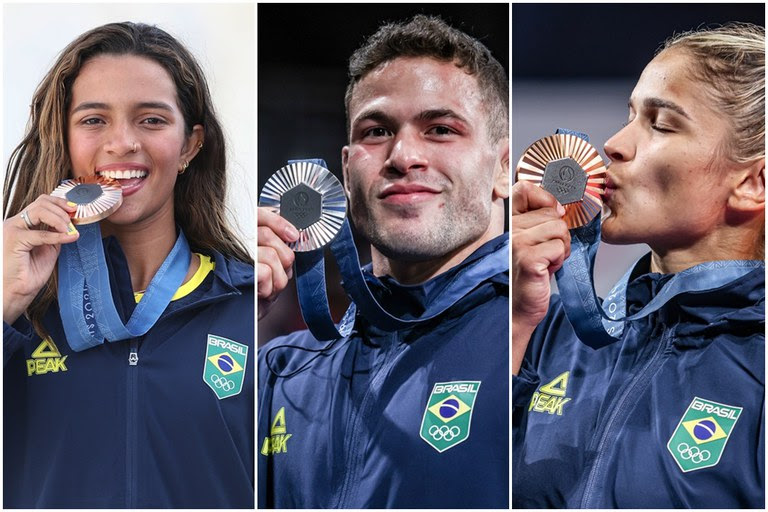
x=540, y=244
x=31, y=244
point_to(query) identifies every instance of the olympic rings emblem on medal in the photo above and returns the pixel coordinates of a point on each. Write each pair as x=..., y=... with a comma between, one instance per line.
x=444, y=432
x=225, y=384
x=693, y=453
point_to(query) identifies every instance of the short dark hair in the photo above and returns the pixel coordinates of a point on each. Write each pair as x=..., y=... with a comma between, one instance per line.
x=429, y=36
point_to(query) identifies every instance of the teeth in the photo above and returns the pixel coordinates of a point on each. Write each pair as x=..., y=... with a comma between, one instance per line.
x=123, y=174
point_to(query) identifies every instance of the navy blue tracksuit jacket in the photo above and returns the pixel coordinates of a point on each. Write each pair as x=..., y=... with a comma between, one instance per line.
x=343, y=427
x=647, y=422
x=91, y=430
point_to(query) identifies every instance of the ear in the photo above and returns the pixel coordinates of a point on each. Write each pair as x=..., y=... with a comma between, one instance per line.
x=345, y=168
x=501, y=171
x=749, y=194
x=193, y=144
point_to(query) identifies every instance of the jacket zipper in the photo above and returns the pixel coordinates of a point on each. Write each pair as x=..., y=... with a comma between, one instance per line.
x=355, y=458
x=132, y=416
x=131, y=424
x=610, y=431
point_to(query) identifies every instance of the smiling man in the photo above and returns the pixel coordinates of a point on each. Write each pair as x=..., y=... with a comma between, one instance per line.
x=416, y=417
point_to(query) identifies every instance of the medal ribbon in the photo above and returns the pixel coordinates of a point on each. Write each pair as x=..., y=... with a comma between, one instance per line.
x=86, y=306
x=313, y=299
x=598, y=325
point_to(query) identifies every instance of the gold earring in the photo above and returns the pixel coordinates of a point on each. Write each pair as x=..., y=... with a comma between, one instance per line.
x=184, y=167
x=200, y=146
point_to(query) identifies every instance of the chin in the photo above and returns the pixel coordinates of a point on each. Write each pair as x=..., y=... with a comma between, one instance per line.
x=611, y=232
x=122, y=218
x=409, y=252
x=407, y=245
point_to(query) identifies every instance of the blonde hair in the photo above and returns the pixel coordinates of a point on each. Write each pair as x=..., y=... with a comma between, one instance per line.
x=731, y=59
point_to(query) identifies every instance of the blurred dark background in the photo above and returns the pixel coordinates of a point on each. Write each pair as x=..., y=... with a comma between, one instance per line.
x=599, y=41
x=575, y=65
x=303, y=51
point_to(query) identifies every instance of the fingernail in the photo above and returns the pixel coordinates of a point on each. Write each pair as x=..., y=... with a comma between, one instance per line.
x=292, y=233
x=560, y=209
x=70, y=203
x=71, y=230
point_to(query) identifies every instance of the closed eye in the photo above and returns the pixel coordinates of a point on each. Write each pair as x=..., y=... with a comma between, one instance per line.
x=661, y=129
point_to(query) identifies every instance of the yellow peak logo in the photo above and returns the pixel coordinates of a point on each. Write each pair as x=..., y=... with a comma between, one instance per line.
x=277, y=440
x=46, y=358
x=550, y=398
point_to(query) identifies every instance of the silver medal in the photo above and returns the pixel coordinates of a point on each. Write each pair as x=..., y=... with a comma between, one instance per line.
x=311, y=198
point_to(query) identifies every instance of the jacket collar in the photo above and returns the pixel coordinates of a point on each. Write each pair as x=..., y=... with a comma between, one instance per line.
x=230, y=277
x=737, y=306
x=410, y=301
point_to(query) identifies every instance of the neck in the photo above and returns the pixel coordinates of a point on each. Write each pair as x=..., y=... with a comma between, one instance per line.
x=724, y=244
x=416, y=272
x=145, y=247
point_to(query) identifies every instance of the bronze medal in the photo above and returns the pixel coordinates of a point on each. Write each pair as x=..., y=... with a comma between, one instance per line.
x=569, y=168
x=96, y=197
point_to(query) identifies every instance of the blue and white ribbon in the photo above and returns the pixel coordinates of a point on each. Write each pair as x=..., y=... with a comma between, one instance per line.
x=86, y=306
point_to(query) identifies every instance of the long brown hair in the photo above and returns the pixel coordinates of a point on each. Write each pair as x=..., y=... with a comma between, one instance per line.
x=41, y=160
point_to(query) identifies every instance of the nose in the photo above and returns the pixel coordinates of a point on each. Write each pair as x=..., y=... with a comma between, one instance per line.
x=407, y=153
x=620, y=147
x=120, y=139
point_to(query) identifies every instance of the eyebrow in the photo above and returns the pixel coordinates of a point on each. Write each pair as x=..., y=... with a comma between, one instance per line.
x=438, y=113
x=373, y=115
x=94, y=105
x=425, y=115
x=660, y=103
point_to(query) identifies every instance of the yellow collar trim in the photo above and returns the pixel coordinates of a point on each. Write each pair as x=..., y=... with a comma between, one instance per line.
x=205, y=268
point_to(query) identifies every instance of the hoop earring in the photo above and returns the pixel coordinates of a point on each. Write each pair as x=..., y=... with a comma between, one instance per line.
x=183, y=167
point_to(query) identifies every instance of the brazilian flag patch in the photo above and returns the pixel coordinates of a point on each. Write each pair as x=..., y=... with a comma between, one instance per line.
x=224, y=369
x=702, y=433
x=448, y=414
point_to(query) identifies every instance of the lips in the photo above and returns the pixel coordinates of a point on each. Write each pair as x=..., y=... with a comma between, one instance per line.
x=130, y=175
x=406, y=194
x=610, y=188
